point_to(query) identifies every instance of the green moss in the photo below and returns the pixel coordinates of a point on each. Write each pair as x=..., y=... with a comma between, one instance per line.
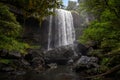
x=5, y=61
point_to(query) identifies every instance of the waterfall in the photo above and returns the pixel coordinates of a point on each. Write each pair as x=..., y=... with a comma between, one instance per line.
x=49, y=32
x=61, y=29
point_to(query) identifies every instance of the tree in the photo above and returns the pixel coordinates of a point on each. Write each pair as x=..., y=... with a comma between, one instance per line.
x=106, y=24
x=10, y=31
x=104, y=30
x=72, y=5
x=36, y=8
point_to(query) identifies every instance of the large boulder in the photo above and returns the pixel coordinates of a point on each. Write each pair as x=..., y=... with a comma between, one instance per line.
x=80, y=49
x=60, y=55
x=85, y=62
x=65, y=54
x=35, y=58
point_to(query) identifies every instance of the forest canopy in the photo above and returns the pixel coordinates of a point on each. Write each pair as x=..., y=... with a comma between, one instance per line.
x=36, y=8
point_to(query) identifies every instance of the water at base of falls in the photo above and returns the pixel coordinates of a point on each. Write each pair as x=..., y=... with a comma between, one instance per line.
x=60, y=73
x=61, y=29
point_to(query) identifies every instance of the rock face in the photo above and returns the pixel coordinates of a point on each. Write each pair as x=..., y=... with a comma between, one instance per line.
x=78, y=24
x=32, y=31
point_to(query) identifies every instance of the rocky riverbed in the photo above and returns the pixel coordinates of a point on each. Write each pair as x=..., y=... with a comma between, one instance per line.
x=63, y=63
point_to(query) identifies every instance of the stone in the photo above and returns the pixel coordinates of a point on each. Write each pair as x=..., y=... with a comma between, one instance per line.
x=7, y=69
x=24, y=62
x=80, y=48
x=59, y=55
x=10, y=55
x=52, y=65
x=36, y=59
x=18, y=73
x=15, y=54
x=3, y=53
x=86, y=62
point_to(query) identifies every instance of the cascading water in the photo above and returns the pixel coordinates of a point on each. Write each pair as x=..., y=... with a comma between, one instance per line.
x=49, y=32
x=62, y=25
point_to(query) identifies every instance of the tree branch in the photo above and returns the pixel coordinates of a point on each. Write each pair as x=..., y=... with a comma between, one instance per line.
x=114, y=69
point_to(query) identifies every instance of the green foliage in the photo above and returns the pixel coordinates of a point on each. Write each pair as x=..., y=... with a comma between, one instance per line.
x=72, y=5
x=5, y=61
x=10, y=31
x=12, y=44
x=8, y=24
x=105, y=30
x=36, y=8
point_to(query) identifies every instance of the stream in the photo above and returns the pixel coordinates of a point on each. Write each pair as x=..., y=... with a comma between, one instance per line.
x=59, y=73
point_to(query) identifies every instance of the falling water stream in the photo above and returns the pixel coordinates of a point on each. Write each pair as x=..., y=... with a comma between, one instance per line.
x=49, y=32
x=63, y=27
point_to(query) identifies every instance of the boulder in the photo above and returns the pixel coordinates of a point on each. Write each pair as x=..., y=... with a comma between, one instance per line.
x=7, y=69
x=60, y=55
x=85, y=62
x=35, y=58
x=15, y=54
x=80, y=49
x=10, y=55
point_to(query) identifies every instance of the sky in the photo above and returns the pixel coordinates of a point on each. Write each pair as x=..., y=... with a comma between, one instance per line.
x=65, y=2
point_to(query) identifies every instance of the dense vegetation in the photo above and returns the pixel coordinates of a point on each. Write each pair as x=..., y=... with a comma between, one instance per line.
x=104, y=31
x=10, y=28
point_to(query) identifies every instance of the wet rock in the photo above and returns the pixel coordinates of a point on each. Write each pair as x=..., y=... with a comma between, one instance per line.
x=80, y=49
x=59, y=61
x=36, y=60
x=20, y=64
x=86, y=62
x=59, y=55
x=10, y=55
x=33, y=54
x=52, y=65
x=15, y=54
x=70, y=62
x=3, y=53
x=79, y=25
x=18, y=73
x=7, y=69
x=24, y=62
x=64, y=54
